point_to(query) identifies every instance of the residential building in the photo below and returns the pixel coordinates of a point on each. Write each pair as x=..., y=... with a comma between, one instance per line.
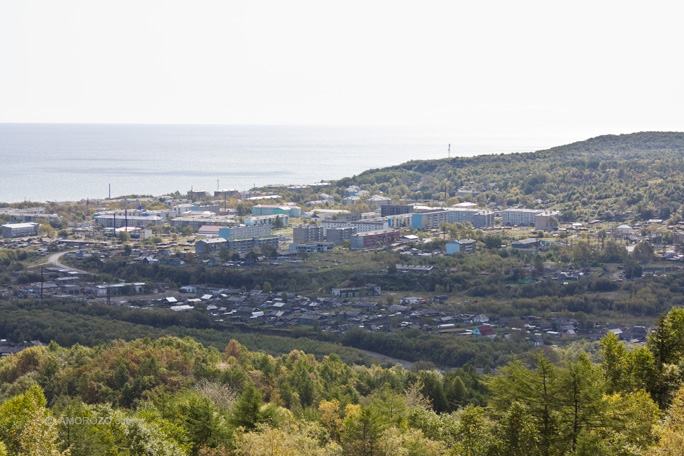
x=361, y=226
x=12, y=230
x=197, y=221
x=372, y=239
x=349, y=200
x=227, y=193
x=249, y=244
x=546, y=220
x=269, y=209
x=461, y=246
x=379, y=201
x=338, y=235
x=312, y=247
x=119, y=220
x=244, y=232
x=206, y=246
x=519, y=217
x=268, y=220
x=391, y=209
x=531, y=243
x=624, y=230
x=483, y=219
x=304, y=234
x=100, y=291
x=352, y=190
x=428, y=220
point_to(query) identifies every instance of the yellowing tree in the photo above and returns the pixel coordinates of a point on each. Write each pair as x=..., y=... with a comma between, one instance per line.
x=294, y=439
x=671, y=432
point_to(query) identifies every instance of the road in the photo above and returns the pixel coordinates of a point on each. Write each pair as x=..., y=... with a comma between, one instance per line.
x=53, y=260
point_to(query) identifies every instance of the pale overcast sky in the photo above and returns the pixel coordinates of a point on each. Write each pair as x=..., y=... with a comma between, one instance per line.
x=497, y=67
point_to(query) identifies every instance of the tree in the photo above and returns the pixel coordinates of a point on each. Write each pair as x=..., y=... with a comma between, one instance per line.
x=293, y=439
x=537, y=391
x=643, y=252
x=46, y=230
x=40, y=436
x=278, y=223
x=667, y=345
x=233, y=349
x=247, y=410
x=26, y=426
x=361, y=430
x=615, y=363
x=671, y=432
x=580, y=392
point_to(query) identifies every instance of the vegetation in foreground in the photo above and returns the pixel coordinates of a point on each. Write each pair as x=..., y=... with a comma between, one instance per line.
x=171, y=396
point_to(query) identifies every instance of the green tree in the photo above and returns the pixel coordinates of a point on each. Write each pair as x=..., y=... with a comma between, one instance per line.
x=123, y=236
x=537, y=391
x=278, y=223
x=246, y=412
x=580, y=391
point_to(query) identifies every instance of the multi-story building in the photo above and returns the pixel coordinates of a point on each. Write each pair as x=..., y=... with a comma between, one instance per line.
x=360, y=225
x=305, y=234
x=483, y=219
x=210, y=245
x=461, y=245
x=269, y=209
x=11, y=230
x=428, y=220
x=365, y=225
x=244, y=232
x=119, y=220
x=379, y=201
x=338, y=235
x=226, y=193
x=267, y=220
x=197, y=221
x=391, y=209
x=312, y=247
x=434, y=219
x=546, y=220
x=372, y=239
x=520, y=217
x=249, y=244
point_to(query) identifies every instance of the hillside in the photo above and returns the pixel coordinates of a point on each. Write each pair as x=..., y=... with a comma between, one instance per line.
x=171, y=396
x=603, y=177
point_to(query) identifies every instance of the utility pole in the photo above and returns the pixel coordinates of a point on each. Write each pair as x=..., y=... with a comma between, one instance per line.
x=449, y=151
x=41, y=283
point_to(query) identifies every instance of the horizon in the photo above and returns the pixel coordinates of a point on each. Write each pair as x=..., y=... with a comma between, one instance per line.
x=158, y=160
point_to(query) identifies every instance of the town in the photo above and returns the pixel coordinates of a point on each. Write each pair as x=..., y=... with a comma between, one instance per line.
x=202, y=229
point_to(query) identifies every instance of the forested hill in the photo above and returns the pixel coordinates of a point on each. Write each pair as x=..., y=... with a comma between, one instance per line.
x=596, y=178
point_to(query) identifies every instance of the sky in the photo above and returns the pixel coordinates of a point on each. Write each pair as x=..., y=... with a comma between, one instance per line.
x=533, y=68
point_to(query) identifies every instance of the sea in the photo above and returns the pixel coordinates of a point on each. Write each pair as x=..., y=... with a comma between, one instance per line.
x=71, y=162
